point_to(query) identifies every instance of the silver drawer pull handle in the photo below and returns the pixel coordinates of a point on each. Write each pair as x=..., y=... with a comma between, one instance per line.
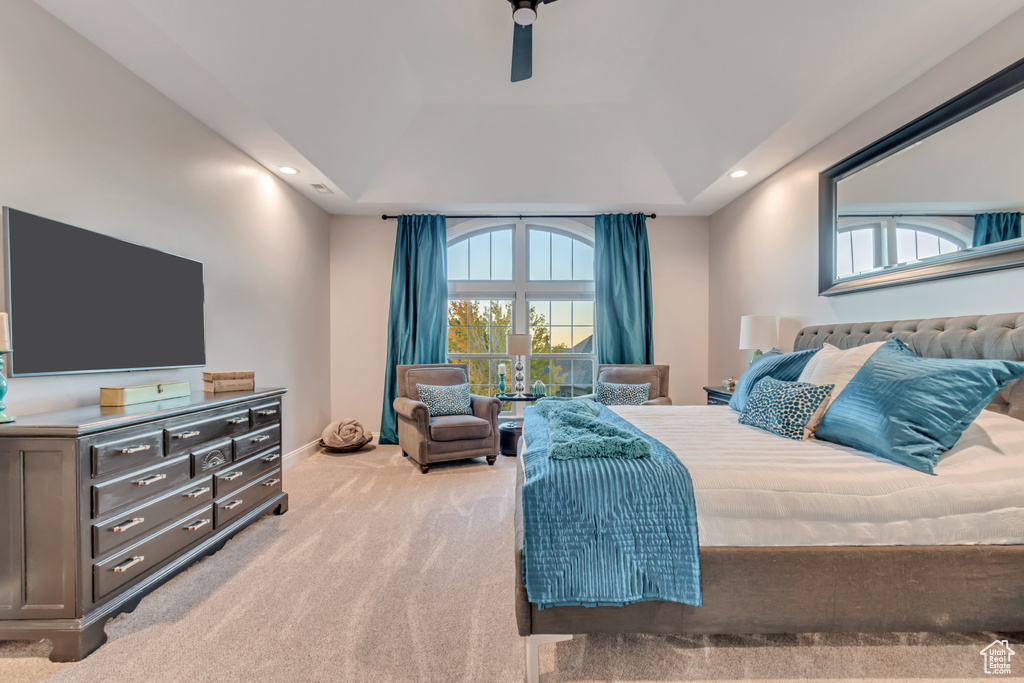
x=125, y=526
x=272, y=457
x=186, y=435
x=125, y=566
x=267, y=412
x=271, y=482
x=261, y=437
x=233, y=504
x=232, y=476
x=198, y=524
x=134, y=449
x=238, y=420
x=197, y=492
x=150, y=480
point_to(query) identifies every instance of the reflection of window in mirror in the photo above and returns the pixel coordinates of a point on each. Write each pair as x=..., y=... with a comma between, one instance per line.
x=872, y=243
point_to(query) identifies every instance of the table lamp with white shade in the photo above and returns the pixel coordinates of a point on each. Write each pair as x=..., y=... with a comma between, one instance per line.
x=5, y=348
x=519, y=346
x=758, y=333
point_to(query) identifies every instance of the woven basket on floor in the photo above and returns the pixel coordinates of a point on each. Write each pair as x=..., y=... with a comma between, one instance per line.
x=344, y=449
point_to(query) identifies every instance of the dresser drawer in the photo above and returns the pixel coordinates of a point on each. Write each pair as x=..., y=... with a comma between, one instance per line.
x=124, y=528
x=236, y=476
x=186, y=435
x=209, y=458
x=265, y=414
x=133, y=562
x=126, y=450
x=257, y=441
x=134, y=487
x=236, y=504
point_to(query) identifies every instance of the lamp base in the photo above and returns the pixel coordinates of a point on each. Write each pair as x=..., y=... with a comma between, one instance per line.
x=6, y=418
x=520, y=378
x=756, y=357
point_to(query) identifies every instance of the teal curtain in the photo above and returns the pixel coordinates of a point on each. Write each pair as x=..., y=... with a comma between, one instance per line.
x=622, y=280
x=419, y=306
x=990, y=228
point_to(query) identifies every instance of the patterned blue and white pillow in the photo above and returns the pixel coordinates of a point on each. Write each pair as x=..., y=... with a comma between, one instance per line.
x=785, y=408
x=446, y=400
x=612, y=394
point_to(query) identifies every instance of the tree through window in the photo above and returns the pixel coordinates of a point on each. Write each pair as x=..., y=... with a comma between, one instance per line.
x=550, y=294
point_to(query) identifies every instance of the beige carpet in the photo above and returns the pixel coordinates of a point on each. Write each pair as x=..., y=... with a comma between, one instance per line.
x=379, y=573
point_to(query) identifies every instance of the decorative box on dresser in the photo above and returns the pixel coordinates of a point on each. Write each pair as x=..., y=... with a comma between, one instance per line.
x=99, y=506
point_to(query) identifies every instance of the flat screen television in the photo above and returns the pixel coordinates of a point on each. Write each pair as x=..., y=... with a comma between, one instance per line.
x=80, y=301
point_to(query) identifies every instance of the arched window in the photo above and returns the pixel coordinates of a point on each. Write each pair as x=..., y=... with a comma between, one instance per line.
x=516, y=277
x=866, y=244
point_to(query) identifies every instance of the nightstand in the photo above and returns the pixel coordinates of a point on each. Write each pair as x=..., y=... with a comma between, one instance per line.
x=718, y=396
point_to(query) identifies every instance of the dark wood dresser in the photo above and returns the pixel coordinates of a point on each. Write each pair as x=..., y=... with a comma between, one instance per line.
x=99, y=506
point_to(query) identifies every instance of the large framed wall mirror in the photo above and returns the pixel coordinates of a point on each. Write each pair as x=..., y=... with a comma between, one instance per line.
x=940, y=197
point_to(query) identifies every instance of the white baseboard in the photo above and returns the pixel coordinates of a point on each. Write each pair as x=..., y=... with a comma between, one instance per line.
x=300, y=454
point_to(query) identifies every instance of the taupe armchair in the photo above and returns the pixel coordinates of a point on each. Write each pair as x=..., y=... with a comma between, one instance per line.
x=428, y=439
x=657, y=375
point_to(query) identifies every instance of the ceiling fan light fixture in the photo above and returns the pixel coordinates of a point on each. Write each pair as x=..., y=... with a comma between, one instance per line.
x=524, y=12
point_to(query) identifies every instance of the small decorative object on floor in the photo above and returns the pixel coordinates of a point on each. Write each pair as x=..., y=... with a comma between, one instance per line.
x=344, y=436
x=217, y=382
x=539, y=389
x=5, y=348
x=116, y=397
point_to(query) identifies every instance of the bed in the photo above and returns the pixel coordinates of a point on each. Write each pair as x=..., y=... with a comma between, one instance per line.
x=846, y=543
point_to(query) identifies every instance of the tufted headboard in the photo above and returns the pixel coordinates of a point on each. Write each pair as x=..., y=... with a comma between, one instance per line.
x=999, y=337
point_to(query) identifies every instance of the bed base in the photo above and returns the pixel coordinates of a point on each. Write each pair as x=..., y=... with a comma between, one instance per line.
x=812, y=589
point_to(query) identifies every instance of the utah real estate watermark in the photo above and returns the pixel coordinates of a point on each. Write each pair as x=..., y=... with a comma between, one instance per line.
x=997, y=657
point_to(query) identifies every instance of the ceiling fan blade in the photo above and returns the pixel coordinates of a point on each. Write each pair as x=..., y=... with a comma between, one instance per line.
x=522, y=52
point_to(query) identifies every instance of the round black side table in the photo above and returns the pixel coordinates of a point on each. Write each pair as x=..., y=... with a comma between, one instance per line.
x=509, y=432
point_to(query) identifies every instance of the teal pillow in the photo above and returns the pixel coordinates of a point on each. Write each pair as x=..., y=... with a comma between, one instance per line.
x=786, y=367
x=446, y=400
x=613, y=394
x=784, y=408
x=910, y=409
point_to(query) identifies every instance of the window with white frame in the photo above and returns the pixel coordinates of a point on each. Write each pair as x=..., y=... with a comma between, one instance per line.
x=866, y=244
x=518, y=277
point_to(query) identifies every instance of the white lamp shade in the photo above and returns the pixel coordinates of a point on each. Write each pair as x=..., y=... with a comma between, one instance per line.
x=758, y=332
x=519, y=345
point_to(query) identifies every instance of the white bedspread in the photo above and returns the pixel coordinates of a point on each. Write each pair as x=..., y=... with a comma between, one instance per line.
x=753, y=488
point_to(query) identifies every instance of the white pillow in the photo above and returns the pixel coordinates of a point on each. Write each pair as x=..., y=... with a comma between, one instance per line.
x=832, y=365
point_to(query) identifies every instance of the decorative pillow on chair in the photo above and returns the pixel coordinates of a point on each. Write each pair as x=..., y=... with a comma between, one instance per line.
x=785, y=367
x=446, y=400
x=612, y=394
x=785, y=408
x=910, y=409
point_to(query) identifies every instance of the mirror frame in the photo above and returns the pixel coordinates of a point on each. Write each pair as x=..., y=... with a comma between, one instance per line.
x=980, y=259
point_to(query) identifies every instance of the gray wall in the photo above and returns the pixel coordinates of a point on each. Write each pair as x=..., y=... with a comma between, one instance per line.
x=764, y=245
x=362, y=252
x=86, y=142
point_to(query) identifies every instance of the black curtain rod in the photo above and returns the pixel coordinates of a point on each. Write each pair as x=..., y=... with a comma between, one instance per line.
x=521, y=216
x=906, y=215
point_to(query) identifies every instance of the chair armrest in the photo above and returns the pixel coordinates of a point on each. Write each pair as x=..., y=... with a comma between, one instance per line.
x=660, y=401
x=485, y=407
x=412, y=410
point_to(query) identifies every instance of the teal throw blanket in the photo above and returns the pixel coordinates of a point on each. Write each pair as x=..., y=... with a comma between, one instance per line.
x=576, y=431
x=606, y=531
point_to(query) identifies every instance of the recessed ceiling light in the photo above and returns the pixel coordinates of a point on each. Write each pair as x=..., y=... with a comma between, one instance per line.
x=734, y=174
x=289, y=170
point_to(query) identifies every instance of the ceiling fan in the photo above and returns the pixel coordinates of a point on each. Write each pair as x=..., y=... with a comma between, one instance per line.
x=524, y=13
